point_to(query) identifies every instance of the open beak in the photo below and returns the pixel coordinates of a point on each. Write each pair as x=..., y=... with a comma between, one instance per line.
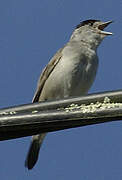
x=102, y=26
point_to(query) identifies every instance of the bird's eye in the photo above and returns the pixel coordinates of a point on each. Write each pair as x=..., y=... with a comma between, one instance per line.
x=91, y=23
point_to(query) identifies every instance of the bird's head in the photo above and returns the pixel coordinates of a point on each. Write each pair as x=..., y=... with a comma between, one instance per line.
x=91, y=32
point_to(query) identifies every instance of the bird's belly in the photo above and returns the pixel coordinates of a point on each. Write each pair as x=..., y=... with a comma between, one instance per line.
x=68, y=80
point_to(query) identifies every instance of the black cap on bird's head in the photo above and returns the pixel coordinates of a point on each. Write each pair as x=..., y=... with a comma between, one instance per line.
x=87, y=22
x=97, y=25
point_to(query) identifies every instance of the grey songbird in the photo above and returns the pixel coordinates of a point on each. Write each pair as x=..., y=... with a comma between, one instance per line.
x=70, y=72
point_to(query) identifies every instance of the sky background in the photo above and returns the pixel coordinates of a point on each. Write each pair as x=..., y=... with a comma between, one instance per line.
x=31, y=31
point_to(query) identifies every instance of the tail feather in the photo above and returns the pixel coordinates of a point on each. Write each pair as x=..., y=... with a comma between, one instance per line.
x=33, y=152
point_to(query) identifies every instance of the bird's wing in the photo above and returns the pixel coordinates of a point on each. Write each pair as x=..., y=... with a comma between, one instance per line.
x=45, y=74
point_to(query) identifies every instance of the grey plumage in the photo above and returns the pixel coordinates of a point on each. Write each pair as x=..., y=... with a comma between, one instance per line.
x=70, y=72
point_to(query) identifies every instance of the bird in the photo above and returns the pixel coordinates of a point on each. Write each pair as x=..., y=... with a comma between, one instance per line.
x=70, y=72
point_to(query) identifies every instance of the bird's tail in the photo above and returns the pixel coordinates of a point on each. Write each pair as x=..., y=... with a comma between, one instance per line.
x=33, y=152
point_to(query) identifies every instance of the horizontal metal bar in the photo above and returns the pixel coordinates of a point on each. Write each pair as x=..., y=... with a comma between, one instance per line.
x=31, y=121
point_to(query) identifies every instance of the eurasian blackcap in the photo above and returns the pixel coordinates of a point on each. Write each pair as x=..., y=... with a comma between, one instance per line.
x=70, y=72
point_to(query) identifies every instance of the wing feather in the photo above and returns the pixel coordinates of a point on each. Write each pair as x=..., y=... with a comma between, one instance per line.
x=46, y=73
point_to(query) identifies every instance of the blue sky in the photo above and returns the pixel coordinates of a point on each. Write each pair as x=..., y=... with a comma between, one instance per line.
x=30, y=33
